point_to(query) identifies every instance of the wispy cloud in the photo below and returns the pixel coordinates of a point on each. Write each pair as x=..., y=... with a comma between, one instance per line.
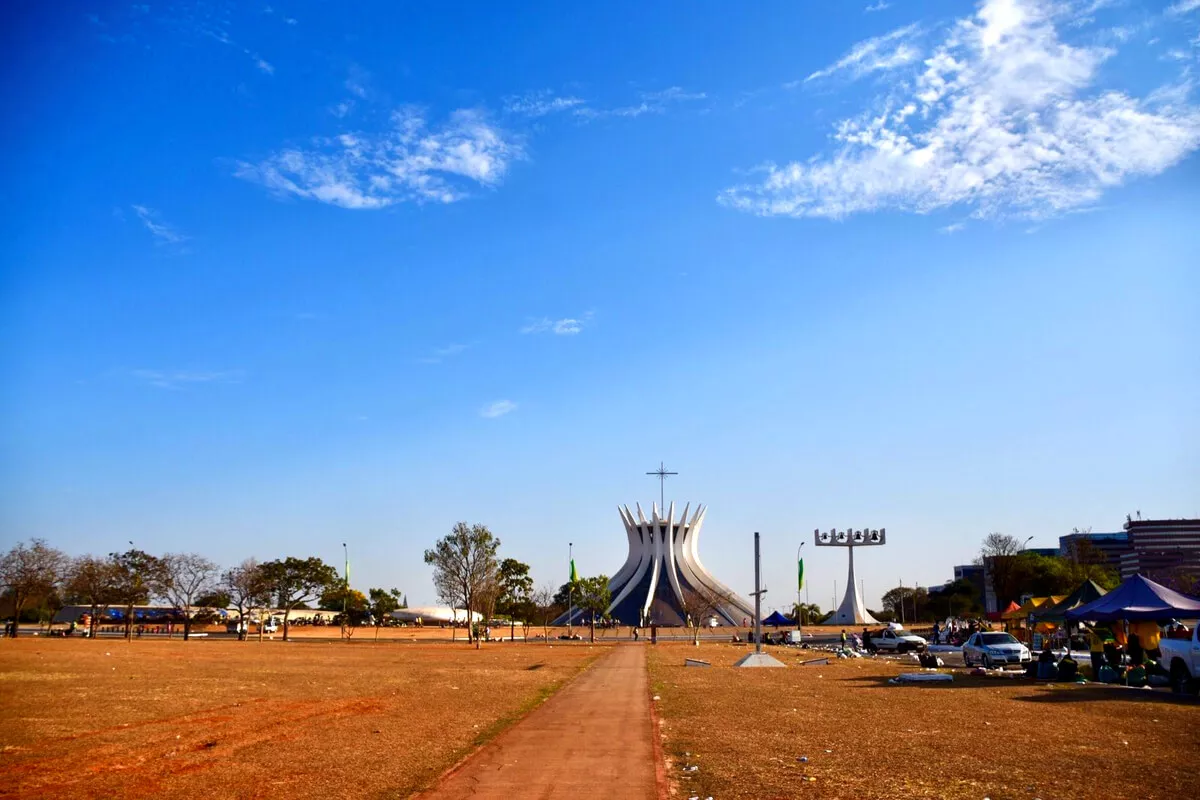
x=1003, y=118
x=656, y=102
x=342, y=109
x=882, y=5
x=952, y=228
x=163, y=232
x=262, y=64
x=177, y=379
x=886, y=52
x=497, y=409
x=407, y=162
x=440, y=354
x=540, y=103
x=1183, y=7
x=567, y=326
x=544, y=102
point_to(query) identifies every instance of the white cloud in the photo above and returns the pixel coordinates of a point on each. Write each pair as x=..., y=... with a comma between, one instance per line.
x=291, y=21
x=409, y=161
x=540, y=104
x=882, y=5
x=885, y=52
x=163, y=232
x=263, y=64
x=1183, y=7
x=176, y=379
x=656, y=102
x=497, y=409
x=567, y=326
x=1009, y=122
x=952, y=228
x=342, y=109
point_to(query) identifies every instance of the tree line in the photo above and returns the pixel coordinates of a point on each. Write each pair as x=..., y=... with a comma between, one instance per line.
x=36, y=575
x=468, y=574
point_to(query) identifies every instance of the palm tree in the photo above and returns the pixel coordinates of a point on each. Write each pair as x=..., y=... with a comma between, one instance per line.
x=806, y=613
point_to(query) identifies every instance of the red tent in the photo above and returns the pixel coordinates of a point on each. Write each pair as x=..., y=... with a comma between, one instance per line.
x=995, y=616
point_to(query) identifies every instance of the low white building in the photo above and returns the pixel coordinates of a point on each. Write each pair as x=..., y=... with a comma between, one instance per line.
x=435, y=615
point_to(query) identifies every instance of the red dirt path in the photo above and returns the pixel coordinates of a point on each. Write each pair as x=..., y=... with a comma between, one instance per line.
x=592, y=739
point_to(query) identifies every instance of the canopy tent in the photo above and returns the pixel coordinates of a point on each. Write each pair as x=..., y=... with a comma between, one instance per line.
x=778, y=619
x=999, y=615
x=1088, y=591
x=1029, y=606
x=1138, y=599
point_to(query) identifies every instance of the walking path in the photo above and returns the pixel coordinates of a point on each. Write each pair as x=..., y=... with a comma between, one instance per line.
x=592, y=739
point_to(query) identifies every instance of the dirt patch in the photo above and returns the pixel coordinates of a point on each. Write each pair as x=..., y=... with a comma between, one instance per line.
x=747, y=731
x=239, y=719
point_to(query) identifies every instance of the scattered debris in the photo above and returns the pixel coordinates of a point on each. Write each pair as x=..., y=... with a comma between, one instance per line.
x=923, y=677
x=695, y=662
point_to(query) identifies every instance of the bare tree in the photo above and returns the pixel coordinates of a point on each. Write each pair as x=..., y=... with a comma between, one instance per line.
x=90, y=582
x=30, y=571
x=464, y=563
x=186, y=576
x=248, y=590
x=998, y=554
x=699, y=605
x=543, y=602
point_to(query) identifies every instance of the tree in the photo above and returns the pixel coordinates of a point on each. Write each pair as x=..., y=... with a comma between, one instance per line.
x=998, y=554
x=185, y=577
x=135, y=575
x=248, y=590
x=29, y=572
x=464, y=565
x=592, y=596
x=515, y=589
x=699, y=605
x=382, y=604
x=214, y=598
x=545, y=606
x=352, y=604
x=805, y=613
x=90, y=581
x=297, y=581
x=907, y=602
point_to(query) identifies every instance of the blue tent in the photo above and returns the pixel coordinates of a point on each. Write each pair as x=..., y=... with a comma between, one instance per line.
x=778, y=620
x=1138, y=600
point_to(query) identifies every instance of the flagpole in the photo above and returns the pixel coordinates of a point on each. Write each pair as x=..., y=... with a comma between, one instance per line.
x=799, y=585
x=346, y=587
x=570, y=587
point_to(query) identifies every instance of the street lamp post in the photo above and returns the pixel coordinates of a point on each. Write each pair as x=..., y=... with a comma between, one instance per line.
x=345, y=587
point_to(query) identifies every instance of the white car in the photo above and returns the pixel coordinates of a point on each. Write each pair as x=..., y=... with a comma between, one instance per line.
x=897, y=640
x=994, y=649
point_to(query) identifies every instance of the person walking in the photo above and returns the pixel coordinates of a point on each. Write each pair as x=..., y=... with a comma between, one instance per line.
x=843, y=638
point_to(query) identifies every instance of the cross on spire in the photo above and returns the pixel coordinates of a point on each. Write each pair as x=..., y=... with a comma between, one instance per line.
x=661, y=473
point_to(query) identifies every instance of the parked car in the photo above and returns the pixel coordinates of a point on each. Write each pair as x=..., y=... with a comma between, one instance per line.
x=992, y=649
x=897, y=640
x=1182, y=658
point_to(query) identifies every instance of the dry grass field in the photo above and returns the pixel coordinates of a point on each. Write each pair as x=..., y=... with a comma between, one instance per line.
x=218, y=719
x=979, y=737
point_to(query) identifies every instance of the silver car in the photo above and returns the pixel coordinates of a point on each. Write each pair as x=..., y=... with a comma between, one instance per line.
x=994, y=650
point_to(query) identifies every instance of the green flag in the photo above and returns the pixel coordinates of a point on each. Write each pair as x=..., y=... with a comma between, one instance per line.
x=800, y=576
x=574, y=574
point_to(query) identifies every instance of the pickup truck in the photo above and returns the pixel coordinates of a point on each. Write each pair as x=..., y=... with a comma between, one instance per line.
x=1182, y=658
x=893, y=640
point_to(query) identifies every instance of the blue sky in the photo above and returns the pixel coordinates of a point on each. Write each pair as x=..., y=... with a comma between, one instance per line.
x=284, y=276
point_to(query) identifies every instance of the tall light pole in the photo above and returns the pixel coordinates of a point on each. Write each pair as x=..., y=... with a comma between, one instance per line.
x=1024, y=543
x=346, y=585
x=570, y=588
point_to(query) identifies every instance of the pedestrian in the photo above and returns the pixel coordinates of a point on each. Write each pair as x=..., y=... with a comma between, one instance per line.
x=867, y=644
x=843, y=638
